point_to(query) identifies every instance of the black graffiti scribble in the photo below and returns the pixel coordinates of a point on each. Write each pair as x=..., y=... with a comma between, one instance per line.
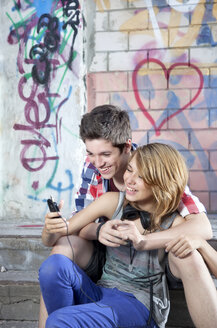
x=71, y=10
x=40, y=53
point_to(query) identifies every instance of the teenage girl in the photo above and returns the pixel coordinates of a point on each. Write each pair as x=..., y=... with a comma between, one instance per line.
x=132, y=291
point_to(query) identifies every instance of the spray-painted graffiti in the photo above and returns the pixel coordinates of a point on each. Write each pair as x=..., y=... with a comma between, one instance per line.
x=173, y=92
x=167, y=73
x=72, y=12
x=40, y=53
x=32, y=107
x=46, y=35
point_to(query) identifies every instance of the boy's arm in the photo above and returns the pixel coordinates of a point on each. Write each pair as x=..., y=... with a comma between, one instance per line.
x=190, y=204
x=191, y=208
x=160, y=239
x=129, y=230
x=199, y=225
x=185, y=244
x=210, y=256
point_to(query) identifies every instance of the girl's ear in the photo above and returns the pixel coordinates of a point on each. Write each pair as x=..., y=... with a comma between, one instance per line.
x=128, y=146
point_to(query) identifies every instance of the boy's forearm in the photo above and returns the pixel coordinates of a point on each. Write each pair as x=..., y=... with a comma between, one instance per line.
x=210, y=256
x=201, y=225
x=198, y=225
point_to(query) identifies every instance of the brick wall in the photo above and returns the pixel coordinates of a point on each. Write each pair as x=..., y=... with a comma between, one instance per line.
x=157, y=60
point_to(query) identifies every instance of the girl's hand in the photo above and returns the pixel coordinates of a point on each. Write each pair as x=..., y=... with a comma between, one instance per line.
x=129, y=231
x=55, y=223
x=109, y=235
x=183, y=245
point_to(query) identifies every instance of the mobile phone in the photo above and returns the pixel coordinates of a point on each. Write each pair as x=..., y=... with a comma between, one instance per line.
x=52, y=205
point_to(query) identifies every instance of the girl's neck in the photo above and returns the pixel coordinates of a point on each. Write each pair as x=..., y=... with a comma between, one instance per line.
x=147, y=206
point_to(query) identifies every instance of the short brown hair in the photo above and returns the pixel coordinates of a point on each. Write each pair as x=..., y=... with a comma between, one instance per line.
x=106, y=122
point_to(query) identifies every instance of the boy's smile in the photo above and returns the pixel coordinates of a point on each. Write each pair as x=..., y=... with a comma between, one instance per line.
x=108, y=160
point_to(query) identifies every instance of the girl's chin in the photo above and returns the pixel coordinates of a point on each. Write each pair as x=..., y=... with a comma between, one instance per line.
x=130, y=196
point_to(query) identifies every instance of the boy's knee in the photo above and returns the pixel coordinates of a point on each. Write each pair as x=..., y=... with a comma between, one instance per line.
x=190, y=265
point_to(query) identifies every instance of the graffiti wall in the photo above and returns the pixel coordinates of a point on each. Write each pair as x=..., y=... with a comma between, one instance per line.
x=155, y=59
x=158, y=60
x=42, y=100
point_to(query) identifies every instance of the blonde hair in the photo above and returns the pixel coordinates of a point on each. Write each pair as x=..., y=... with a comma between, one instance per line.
x=163, y=168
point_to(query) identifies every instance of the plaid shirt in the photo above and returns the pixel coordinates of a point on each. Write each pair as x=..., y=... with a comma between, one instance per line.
x=93, y=185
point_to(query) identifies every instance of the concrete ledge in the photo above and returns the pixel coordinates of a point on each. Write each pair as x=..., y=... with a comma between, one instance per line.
x=18, y=277
x=19, y=297
x=18, y=324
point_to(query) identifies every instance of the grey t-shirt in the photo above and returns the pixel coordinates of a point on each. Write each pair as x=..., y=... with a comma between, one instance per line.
x=136, y=277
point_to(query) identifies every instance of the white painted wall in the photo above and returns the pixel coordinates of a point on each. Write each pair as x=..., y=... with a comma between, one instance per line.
x=38, y=160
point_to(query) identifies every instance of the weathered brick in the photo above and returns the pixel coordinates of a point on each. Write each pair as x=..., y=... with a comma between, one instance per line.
x=169, y=56
x=213, y=201
x=97, y=98
x=215, y=10
x=204, y=198
x=196, y=160
x=99, y=62
x=178, y=139
x=111, y=41
x=183, y=36
x=213, y=118
x=198, y=13
x=169, y=99
x=139, y=137
x=203, y=180
x=213, y=77
x=102, y=98
x=184, y=26
x=125, y=100
x=140, y=4
x=111, y=5
x=168, y=18
x=190, y=119
x=213, y=160
x=138, y=40
x=108, y=81
x=148, y=79
x=128, y=20
x=121, y=61
x=185, y=77
x=203, y=56
x=145, y=122
x=214, y=33
x=203, y=139
x=101, y=21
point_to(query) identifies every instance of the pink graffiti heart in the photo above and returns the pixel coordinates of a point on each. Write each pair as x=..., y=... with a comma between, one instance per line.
x=167, y=73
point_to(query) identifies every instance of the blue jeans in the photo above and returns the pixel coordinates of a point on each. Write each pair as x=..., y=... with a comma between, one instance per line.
x=74, y=301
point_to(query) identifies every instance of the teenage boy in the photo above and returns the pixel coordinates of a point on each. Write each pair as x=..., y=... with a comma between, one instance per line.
x=107, y=135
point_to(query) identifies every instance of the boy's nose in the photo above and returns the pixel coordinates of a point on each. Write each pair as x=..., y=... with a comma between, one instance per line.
x=98, y=161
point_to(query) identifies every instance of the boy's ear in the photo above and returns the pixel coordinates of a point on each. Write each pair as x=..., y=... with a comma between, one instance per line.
x=128, y=146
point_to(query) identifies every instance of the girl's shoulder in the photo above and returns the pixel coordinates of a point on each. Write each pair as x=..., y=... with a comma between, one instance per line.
x=109, y=202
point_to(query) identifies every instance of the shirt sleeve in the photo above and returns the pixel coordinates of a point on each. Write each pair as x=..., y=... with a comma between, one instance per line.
x=91, y=186
x=190, y=204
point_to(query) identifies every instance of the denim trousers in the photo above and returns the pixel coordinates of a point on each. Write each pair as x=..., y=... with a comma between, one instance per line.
x=74, y=301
